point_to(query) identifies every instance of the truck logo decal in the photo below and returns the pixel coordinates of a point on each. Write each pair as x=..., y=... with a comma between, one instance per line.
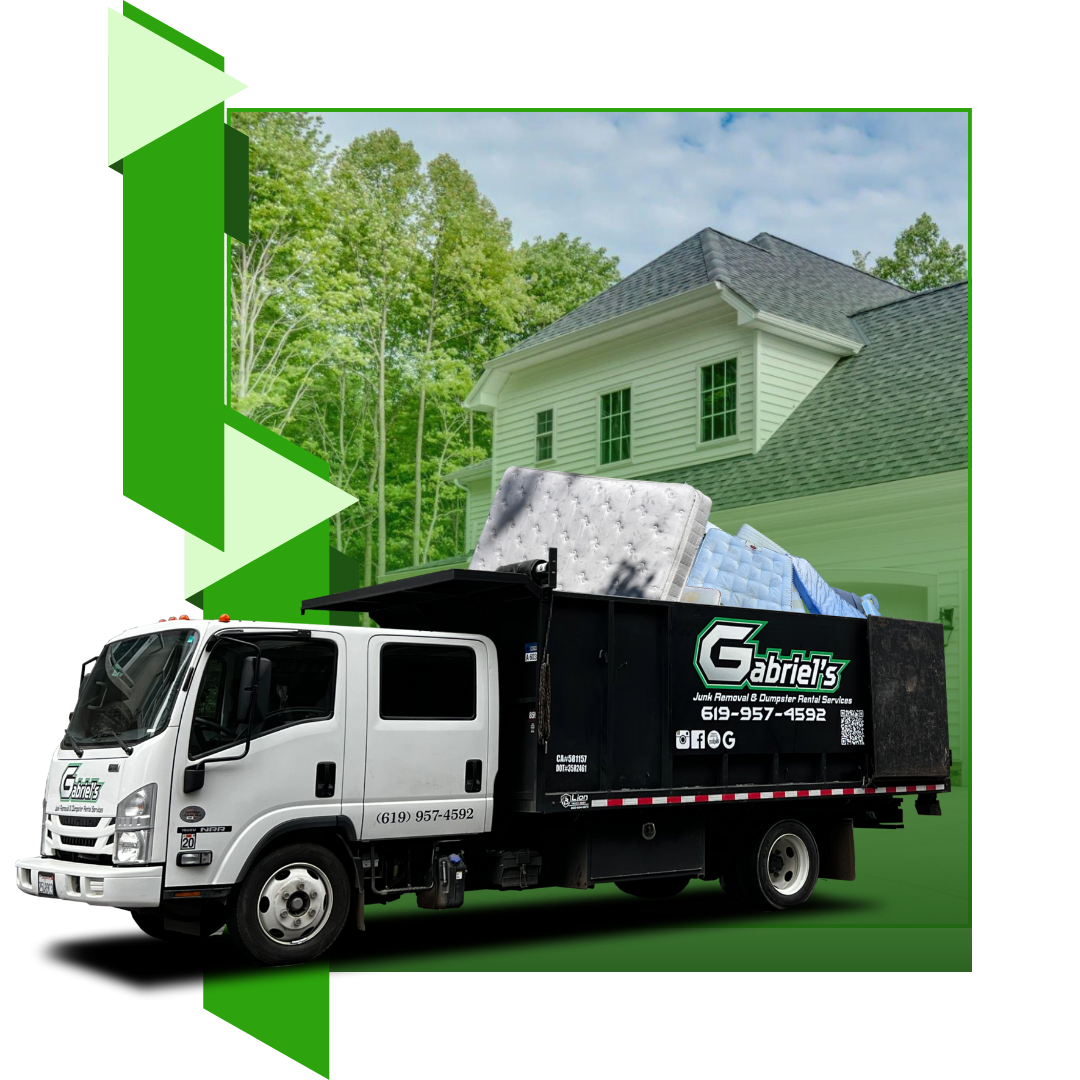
x=574, y=802
x=75, y=788
x=728, y=656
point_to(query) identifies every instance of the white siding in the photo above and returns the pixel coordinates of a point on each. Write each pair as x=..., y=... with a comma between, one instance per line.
x=787, y=372
x=662, y=367
x=477, y=507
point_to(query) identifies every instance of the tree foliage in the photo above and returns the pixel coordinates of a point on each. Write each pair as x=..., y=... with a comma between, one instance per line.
x=921, y=259
x=372, y=291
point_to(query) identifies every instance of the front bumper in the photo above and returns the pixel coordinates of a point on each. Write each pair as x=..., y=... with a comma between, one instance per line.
x=109, y=886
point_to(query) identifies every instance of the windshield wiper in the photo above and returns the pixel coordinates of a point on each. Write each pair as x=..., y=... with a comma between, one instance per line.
x=74, y=743
x=124, y=746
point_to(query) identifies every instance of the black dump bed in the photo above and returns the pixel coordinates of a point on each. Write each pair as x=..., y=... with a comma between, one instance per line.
x=655, y=699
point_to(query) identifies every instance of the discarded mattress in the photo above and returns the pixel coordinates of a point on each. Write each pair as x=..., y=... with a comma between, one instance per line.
x=810, y=591
x=745, y=574
x=620, y=537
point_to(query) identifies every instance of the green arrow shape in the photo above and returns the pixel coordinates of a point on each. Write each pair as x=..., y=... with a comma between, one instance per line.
x=154, y=86
x=268, y=500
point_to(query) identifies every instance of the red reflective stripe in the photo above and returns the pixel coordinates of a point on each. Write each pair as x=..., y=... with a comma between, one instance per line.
x=614, y=802
x=645, y=800
x=802, y=794
x=701, y=798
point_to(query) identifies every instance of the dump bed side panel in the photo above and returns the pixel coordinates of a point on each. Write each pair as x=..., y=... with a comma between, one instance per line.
x=907, y=673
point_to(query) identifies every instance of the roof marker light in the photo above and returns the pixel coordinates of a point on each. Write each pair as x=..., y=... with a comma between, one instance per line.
x=223, y=618
x=185, y=618
x=172, y=618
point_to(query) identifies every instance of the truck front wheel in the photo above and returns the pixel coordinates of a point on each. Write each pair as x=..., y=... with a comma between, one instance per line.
x=780, y=869
x=292, y=905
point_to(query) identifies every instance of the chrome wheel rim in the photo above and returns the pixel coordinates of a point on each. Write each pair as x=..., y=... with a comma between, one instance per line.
x=788, y=864
x=295, y=904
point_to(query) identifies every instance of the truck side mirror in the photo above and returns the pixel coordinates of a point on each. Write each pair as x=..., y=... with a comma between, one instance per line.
x=245, y=695
x=194, y=777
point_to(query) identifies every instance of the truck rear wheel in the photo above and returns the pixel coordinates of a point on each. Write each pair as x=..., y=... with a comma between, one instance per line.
x=292, y=905
x=655, y=888
x=780, y=868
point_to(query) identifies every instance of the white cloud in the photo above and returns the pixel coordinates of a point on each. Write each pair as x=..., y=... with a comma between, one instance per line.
x=638, y=183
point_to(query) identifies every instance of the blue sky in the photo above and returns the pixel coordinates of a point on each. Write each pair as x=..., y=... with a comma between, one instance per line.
x=638, y=183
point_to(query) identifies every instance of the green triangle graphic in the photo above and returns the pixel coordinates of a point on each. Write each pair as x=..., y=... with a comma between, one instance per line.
x=154, y=86
x=268, y=500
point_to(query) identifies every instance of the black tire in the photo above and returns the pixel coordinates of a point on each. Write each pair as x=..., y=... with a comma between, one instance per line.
x=292, y=905
x=655, y=888
x=151, y=921
x=779, y=869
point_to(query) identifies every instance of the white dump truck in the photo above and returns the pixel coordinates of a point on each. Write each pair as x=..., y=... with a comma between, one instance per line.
x=493, y=732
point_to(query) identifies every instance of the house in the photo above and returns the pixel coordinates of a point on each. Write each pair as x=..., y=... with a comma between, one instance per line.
x=822, y=405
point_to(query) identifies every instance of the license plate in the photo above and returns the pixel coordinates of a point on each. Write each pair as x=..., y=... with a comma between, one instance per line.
x=46, y=885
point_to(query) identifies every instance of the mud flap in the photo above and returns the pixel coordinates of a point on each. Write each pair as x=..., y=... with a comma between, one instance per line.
x=836, y=848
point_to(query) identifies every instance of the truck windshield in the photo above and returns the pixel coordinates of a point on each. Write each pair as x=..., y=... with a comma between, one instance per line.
x=130, y=692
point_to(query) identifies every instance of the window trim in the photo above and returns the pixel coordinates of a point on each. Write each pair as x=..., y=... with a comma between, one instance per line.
x=468, y=645
x=601, y=394
x=741, y=417
x=536, y=436
x=289, y=636
x=721, y=439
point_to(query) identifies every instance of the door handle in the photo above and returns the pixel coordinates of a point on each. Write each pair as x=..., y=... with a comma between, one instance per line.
x=325, y=775
x=473, y=769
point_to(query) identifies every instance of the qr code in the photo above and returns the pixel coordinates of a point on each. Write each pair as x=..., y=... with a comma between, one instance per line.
x=851, y=727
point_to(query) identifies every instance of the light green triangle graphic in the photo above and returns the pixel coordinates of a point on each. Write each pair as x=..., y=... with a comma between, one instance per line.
x=268, y=500
x=154, y=86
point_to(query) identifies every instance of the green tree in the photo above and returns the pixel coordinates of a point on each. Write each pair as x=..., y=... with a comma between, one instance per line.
x=379, y=188
x=371, y=294
x=472, y=295
x=560, y=274
x=278, y=279
x=921, y=259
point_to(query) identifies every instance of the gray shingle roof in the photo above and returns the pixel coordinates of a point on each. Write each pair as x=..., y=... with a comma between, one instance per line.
x=771, y=274
x=897, y=409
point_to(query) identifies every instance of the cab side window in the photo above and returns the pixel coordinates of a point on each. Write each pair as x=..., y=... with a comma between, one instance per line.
x=296, y=684
x=427, y=682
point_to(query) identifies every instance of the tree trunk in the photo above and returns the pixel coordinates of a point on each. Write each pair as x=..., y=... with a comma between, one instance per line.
x=417, y=496
x=418, y=500
x=381, y=563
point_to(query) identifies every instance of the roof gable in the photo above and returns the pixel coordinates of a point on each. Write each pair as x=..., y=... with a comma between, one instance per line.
x=771, y=274
x=898, y=409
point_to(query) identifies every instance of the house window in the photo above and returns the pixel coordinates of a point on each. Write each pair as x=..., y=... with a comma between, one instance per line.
x=615, y=426
x=718, y=400
x=545, y=435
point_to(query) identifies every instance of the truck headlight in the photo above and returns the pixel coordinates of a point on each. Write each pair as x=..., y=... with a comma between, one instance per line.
x=135, y=826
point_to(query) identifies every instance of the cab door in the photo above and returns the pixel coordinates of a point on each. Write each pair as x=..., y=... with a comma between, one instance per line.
x=292, y=766
x=431, y=742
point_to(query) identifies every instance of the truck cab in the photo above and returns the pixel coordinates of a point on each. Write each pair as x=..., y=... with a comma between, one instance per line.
x=199, y=749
